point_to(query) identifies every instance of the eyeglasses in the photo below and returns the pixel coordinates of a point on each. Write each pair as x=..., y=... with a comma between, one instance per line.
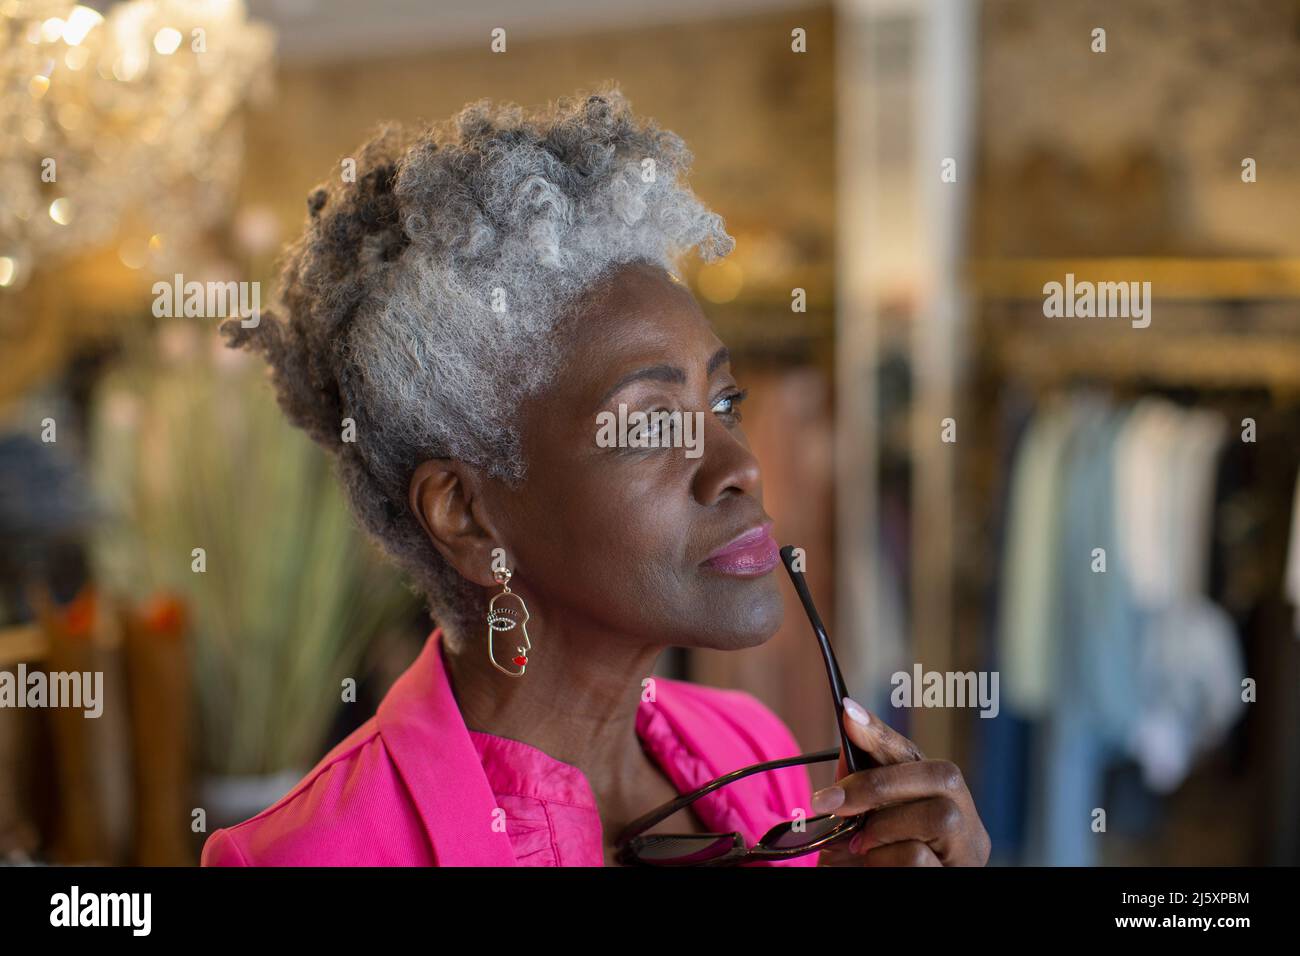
x=786, y=840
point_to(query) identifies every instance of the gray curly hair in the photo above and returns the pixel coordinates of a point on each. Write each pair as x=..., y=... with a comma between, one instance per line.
x=423, y=297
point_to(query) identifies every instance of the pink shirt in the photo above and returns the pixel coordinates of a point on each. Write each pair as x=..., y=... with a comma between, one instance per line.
x=413, y=786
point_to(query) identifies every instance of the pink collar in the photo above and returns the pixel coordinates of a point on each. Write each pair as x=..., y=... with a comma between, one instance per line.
x=424, y=731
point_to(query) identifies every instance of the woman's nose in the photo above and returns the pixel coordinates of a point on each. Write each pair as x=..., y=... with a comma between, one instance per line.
x=727, y=466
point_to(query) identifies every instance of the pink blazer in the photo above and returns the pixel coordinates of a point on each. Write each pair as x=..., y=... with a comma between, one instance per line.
x=413, y=786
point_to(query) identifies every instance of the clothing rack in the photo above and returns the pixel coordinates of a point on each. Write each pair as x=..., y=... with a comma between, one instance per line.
x=1222, y=329
x=1187, y=278
x=1216, y=340
x=1204, y=361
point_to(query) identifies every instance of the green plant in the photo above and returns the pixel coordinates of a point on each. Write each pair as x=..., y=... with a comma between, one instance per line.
x=191, y=452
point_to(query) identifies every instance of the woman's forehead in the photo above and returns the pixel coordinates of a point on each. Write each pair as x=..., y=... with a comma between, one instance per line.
x=642, y=320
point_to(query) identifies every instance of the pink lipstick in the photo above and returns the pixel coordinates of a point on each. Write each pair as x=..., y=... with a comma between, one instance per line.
x=752, y=554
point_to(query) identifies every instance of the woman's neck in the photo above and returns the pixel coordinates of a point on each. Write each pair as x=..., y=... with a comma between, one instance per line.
x=577, y=701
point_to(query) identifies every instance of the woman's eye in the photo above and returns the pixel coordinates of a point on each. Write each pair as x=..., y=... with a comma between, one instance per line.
x=728, y=404
x=656, y=422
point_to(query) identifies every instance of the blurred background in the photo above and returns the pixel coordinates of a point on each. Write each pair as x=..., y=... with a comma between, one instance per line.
x=1103, y=515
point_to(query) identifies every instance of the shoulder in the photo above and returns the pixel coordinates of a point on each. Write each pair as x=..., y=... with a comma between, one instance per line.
x=734, y=729
x=743, y=716
x=351, y=808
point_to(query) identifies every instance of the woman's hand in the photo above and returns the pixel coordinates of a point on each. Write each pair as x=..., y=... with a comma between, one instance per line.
x=920, y=811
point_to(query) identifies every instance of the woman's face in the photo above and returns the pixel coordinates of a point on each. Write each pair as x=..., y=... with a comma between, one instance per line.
x=643, y=540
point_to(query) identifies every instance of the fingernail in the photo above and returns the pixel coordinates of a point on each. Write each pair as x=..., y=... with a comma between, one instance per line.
x=824, y=801
x=856, y=712
x=859, y=843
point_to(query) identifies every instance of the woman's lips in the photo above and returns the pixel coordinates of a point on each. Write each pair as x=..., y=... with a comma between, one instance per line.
x=753, y=553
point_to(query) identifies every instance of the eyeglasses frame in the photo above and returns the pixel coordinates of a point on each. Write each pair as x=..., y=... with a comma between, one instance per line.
x=633, y=837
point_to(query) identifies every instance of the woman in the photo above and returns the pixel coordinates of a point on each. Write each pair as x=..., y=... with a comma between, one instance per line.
x=457, y=317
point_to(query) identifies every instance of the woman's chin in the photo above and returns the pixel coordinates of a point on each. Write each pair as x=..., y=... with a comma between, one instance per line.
x=746, y=613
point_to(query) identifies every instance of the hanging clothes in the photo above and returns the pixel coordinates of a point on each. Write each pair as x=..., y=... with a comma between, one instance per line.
x=1188, y=651
x=1029, y=599
x=1190, y=672
x=1094, y=692
x=1108, y=646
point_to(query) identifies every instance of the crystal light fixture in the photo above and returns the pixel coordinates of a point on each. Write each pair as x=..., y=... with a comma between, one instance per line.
x=121, y=126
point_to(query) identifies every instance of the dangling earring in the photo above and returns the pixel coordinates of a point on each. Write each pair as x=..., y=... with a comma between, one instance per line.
x=507, y=611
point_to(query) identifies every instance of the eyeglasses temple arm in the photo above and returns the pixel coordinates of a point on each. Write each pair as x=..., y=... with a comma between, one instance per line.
x=648, y=820
x=854, y=756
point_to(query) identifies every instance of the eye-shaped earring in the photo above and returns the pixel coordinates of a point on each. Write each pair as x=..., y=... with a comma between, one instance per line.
x=506, y=611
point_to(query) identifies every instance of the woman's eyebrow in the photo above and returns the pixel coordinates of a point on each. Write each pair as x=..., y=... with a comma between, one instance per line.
x=666, y=373
x=658, y=373
x=721, y=357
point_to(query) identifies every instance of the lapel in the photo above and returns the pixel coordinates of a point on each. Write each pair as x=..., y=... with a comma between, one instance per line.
x=689, y=729
x=424, y=731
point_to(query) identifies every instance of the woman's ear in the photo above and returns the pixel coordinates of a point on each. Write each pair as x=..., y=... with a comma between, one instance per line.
x=447, y=499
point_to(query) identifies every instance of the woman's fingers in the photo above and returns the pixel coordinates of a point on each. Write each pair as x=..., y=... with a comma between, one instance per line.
x=881, y=786
x=903, y=853
x=909, y=853
x=920, y=812
x=877, y=738
x=885, y=745
x=937, y=822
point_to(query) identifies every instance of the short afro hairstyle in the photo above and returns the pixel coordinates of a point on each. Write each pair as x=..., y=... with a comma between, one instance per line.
x=423, y=297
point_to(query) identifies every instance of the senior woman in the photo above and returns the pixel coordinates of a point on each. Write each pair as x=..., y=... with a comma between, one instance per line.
x=456, y=318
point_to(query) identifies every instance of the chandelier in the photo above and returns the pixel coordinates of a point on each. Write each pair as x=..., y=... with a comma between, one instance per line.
x=120, y=127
